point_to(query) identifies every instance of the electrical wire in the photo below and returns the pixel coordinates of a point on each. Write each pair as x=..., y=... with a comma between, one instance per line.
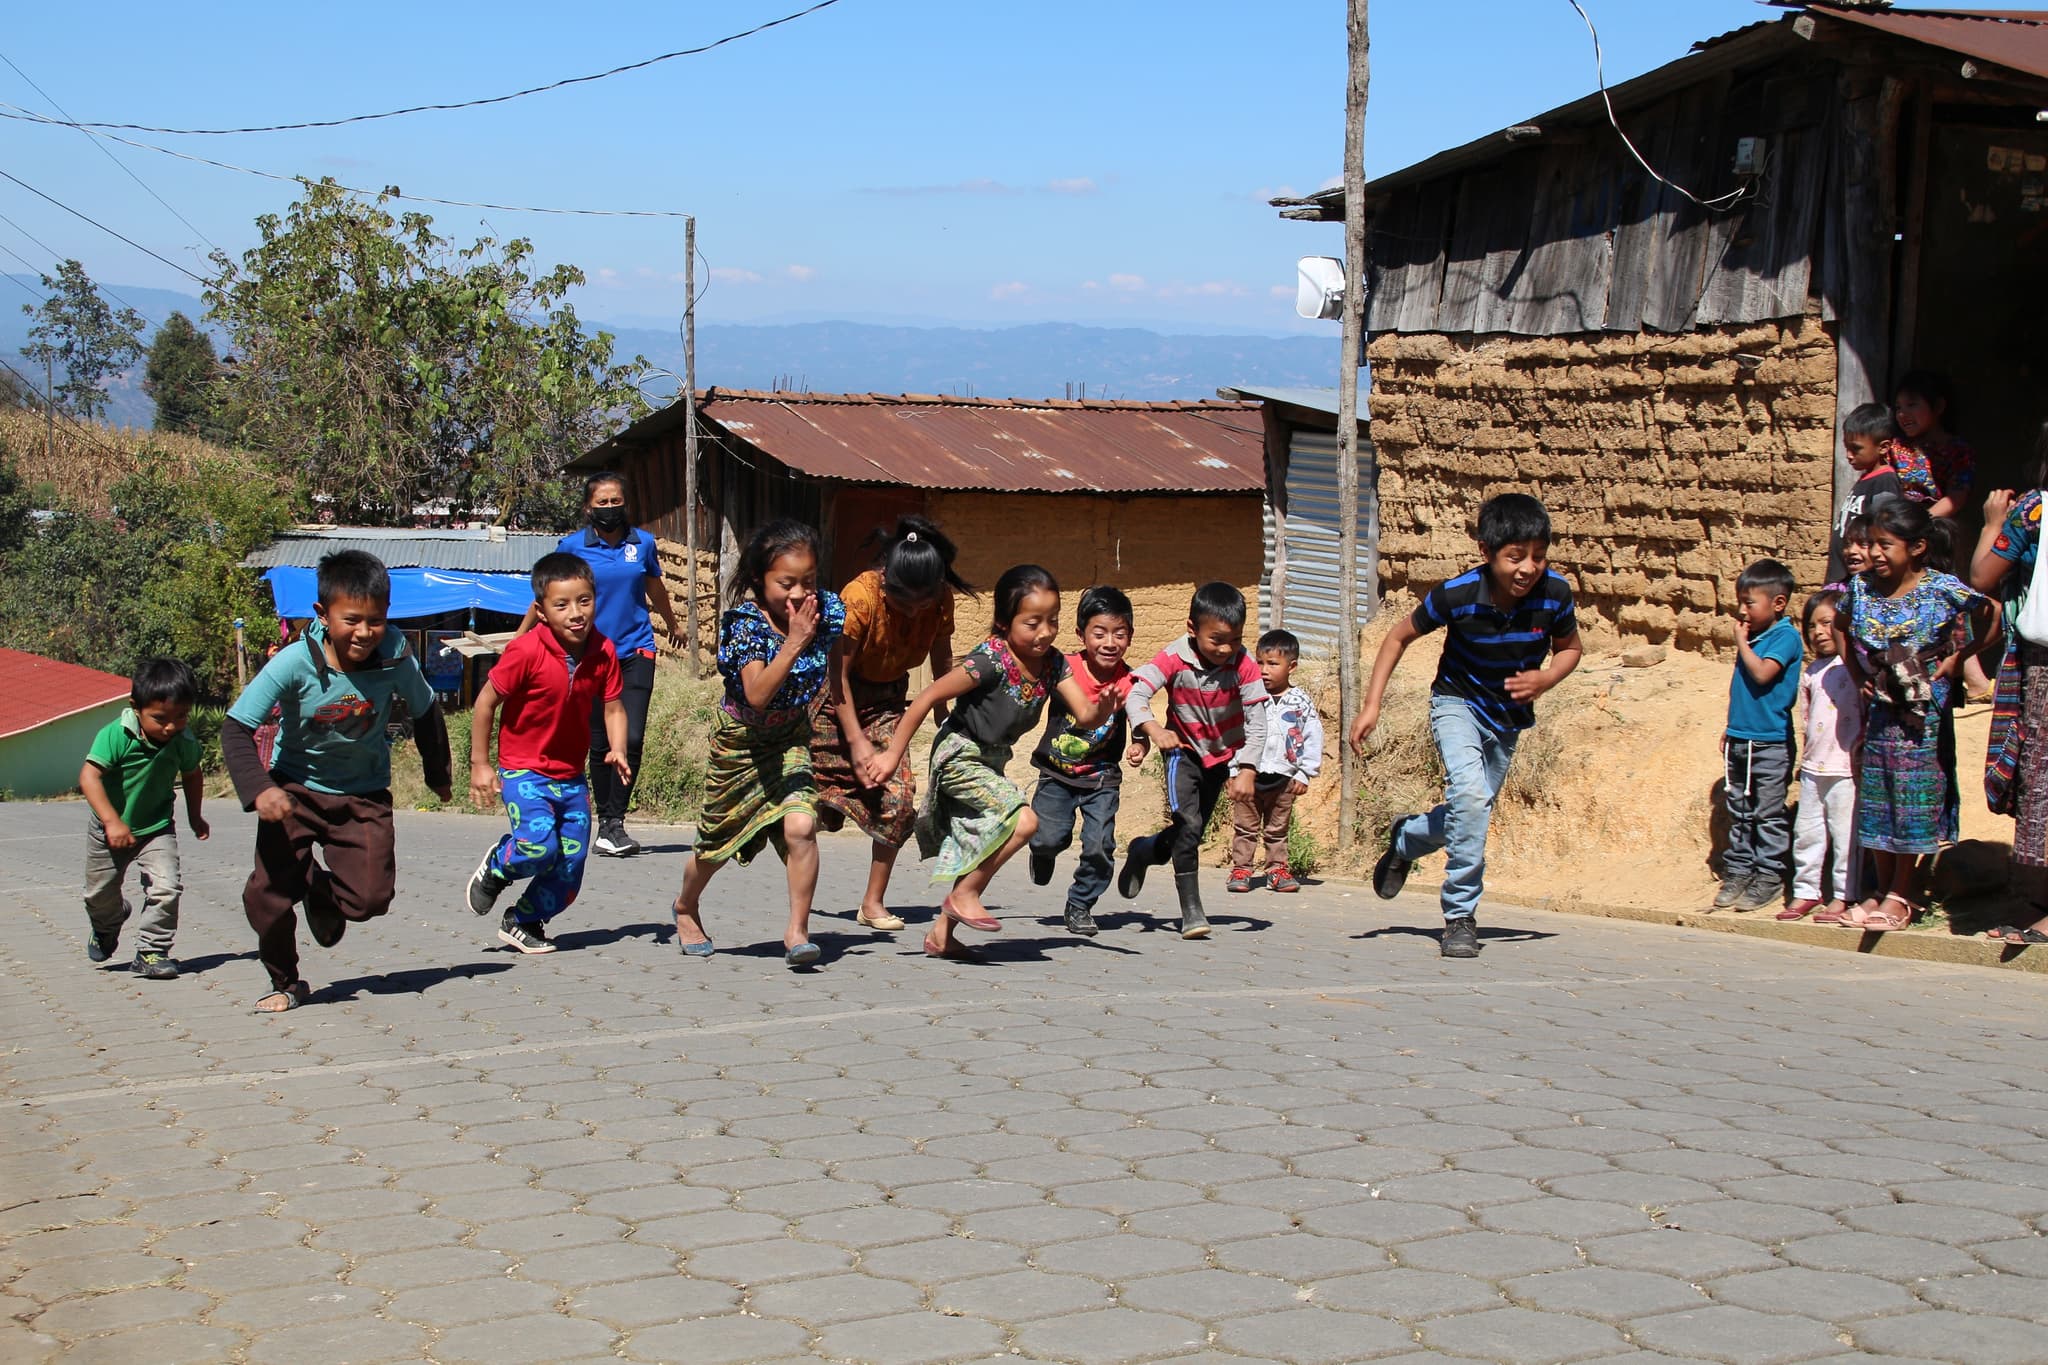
x=8, y=175
x=1719, y=203
x=466, y=104
x=55, y=255
x=50, y=406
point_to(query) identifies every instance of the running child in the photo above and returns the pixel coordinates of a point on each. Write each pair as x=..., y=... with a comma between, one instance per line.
x=328, y=784
x=1078, y=776
x=1824, y=835
x=773, y=644
x=1293, y=754
x=1501, y=621
x=1214, y=733
x=548, y=682
x=130, y=779
x=974, y=819
x=1756, y=746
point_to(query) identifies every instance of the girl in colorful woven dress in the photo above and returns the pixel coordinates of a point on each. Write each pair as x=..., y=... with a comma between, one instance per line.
x=1910, y=627
x=899, y=614
x=772, y=647
x=1936, y=468
x=974, y=818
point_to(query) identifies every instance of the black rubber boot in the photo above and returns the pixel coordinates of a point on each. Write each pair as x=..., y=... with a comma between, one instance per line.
x=1137, y=862
x=1194, y=921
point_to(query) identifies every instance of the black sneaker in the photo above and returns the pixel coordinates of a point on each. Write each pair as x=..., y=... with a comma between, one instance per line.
x=1461, y=937
x=1762, y=892
x=1080, y=922
x=154, y=967
x=323, y=917
x=1390, y=873
x=486, y=884
x=1041, y=868
x=1732, y=890
x=1131, y=880
x=100, y=947
x=527, y=938
x=613, y=841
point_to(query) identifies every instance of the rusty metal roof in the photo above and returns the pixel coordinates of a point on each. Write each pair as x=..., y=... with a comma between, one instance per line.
x=2016, y=39
x=1015, y=445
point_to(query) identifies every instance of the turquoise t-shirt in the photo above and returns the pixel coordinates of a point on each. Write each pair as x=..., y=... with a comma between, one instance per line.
x=1764, y=714
x=141, y=777
x=331, y=723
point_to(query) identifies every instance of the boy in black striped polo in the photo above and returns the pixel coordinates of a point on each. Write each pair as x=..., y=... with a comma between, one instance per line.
x=1503, y=620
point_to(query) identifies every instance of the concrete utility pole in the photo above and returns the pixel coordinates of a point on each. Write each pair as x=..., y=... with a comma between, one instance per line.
x=690, y=437
x=1347, y=419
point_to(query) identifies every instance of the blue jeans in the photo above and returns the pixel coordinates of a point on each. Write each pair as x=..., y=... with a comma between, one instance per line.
x=549, y=842
x=1056, y=804
x=1476, y=759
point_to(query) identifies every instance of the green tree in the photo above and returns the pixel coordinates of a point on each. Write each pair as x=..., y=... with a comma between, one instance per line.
x=83, y=337
x=181, y=377
x=383, y=365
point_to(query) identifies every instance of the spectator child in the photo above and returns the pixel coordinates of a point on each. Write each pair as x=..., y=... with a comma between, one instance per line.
x=130, y=780
x=1293, y=754
x=1501, y=620
x=1855, y=550
x=1867, y=438
x=1903, y=644
x=1824, y=836
x=328, y=784
x=773, y=646
x=1214, y=733
x=1756, y=749
x=1078, y=772
x=548, y=682
x=1936, y=468
x=974, y=819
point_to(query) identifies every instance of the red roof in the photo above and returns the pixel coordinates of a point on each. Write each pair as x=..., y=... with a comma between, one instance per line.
x=35, y=691
x=1003, y=444
x=2013, y=38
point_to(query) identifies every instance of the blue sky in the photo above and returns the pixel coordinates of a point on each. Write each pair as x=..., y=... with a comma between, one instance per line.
x=986, y=163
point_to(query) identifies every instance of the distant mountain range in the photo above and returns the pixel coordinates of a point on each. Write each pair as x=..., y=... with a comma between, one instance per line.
x=1046, y=360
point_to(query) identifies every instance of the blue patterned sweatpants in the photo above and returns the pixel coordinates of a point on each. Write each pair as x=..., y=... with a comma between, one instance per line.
x=549, y=842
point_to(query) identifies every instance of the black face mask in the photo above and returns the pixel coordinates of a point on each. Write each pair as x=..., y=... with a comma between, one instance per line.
x=608, y=519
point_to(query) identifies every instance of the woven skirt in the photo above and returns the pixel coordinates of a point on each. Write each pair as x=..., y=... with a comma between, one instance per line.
x=888, y=813
x=2030, y=774
x=970, y=809
x=756, y=777
x=1906, y=800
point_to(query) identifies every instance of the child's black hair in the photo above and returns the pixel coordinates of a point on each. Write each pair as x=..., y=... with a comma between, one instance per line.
x=599, y=480
x=161, y=680
x=1770, y=575
x=1827, y=597
x=1942, y=535
x=1217, y=602
x=560, y=567
x=916, y=560
x=1510, y=519
x=1901, y=518
x=784, y=535
x=1282, y=641
x=353, y=573
x=1018, y=582
x=1935, y=388
x=1103, y=600
x=1856, y=530
x=1872, y=421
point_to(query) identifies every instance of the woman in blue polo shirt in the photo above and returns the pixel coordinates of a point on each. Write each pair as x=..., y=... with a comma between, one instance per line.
x=627, y=571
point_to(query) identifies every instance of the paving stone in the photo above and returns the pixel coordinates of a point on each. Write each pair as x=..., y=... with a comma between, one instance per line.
x=1207, y=1295
x=761, y=1262
x=834, y=1298
x=1569, y=1219
x=1902, y=1259
x=1301, y=1256
x=472, y=1301
x=1488, y=1255
x=1688, y=1255
x=1739, y=1336
x=1827, y=1295
x=1408, y=1294
x=230, y=1236
x=917, y=1338
x=730, y=1340
x=94, y=1275
x=1314, y=1336
x=2004, y=1296
x=1385, y=1222
x=344, y=1339
x=651, y=1302
x=264, y=1309
x=1115, y=1258
x=159, y=1345
x=264, y=1270
x=407, y=1269
x=528, y=1339
x=120, y=1310
x=1110, y=1336
x=1604, y=1292
x=1955, y=1226
x=1521, y=1335
x=873, y=1227
x=1210, y=1223
x=1022, y=1295
x=2020, y=1256
x=1945, y=1335
x=1040, y=1226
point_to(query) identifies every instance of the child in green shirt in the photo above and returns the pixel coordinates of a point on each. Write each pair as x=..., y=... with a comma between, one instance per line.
x=130, y=781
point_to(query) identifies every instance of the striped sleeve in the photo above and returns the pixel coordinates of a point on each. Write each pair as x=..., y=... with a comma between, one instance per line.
x=1433, y=612
x=1145, y=680
x=1566, y=620
x=1252, y=695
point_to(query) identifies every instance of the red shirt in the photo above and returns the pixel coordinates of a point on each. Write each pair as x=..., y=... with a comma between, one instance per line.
x=546, y=702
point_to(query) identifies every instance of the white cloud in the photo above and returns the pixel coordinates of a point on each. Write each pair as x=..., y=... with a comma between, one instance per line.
x=1282, y=291
x=606, y=275
x=1335, y=182
x=1010, y=289
x=1080, y=184
x=1091, y=284
x=726, y=274
x=801, y=273
x=1127, y=284
x=1214, y=289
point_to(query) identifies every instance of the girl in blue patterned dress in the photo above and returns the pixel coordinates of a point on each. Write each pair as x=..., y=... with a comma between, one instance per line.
x=1910, y=628
x=772, y=648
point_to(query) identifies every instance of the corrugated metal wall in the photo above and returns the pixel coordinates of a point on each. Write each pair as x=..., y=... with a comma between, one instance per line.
x=1310, y=592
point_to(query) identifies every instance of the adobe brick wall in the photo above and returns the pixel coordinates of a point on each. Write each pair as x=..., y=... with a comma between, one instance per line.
x=1666, y=463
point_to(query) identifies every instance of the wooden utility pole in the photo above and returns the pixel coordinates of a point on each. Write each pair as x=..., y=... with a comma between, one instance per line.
x=1347, y=419
x=690, y=437
x=49, y=412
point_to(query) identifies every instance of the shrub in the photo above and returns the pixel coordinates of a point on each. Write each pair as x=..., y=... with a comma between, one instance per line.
x=1304, y=852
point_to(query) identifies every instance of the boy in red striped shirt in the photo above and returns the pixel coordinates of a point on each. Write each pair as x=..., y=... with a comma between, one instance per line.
x=1214, y=733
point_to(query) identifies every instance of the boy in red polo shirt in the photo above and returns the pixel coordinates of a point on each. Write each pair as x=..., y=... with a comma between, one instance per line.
x=547, y=681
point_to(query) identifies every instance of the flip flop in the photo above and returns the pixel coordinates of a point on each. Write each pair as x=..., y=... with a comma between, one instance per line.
x=2029, y=936
x=2006, y=933
x=988, y=924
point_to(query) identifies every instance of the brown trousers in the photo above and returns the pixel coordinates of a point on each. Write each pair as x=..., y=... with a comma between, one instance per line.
x=1260, y=821
x=362, y=869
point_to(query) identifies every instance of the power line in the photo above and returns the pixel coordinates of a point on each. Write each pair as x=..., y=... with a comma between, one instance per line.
x=200, y=279
x=50, y=403
x=109, y=155
x=466, y=104
x=55, y=255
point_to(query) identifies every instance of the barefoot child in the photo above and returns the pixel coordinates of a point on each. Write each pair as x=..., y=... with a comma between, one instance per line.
x=548, y=682
x=1827, y=782
x=329, y=780
x=1293, y=754
x=1214, y=733
x=130, y=780
x=1078, y=774
x=974, y=819
x=1501, y=620
x=1756, y=747
x=772, y=649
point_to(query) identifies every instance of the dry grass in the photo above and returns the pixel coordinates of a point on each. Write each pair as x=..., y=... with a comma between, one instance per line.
x=89, y=459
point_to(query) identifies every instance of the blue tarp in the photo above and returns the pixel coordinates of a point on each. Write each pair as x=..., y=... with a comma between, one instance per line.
x=414, y=592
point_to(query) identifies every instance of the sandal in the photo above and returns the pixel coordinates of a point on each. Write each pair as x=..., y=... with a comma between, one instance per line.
x=885, y=923
x=294, y=995
x=2007, y=933
x=1799, y=909
x=987, y=923
x=1883, y=921
x=1840, y=916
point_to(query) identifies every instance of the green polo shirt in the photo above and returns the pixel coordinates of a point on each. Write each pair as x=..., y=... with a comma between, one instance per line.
x=142, y=778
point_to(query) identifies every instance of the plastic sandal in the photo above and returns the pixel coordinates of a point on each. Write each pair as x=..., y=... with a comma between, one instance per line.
x=294, y=995
x=1799, y=909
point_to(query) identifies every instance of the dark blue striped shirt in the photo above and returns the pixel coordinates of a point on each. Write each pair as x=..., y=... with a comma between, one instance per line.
x=1486, y=646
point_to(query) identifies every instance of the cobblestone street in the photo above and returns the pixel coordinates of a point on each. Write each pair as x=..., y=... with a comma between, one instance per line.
x=1307, y=1139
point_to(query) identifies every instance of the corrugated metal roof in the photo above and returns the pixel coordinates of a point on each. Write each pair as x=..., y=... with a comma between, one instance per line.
x=2013, y=38
x=1314, y=400
x=994, y=444
x=35, y=691
x=401, y=548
